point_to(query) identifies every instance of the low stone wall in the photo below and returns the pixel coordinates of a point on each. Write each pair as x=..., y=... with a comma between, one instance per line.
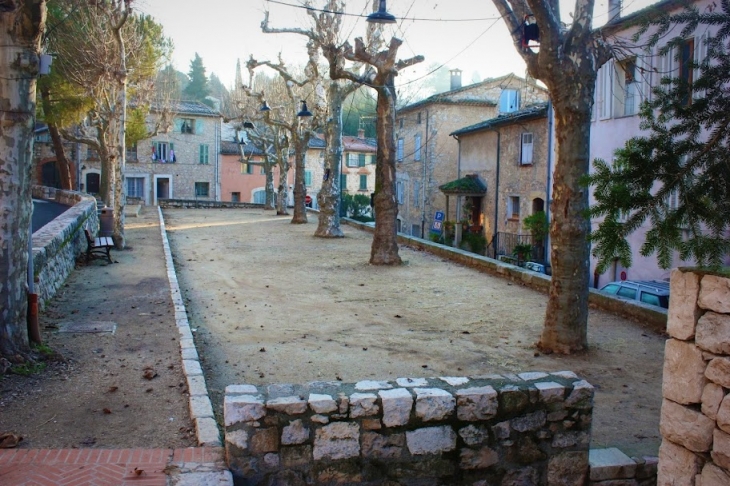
x=531, y=428
x=695, y=416
x=194, y=204
x=57, y=244
x=650, y=316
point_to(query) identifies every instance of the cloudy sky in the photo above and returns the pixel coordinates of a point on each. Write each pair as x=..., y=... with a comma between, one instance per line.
x=463, y=34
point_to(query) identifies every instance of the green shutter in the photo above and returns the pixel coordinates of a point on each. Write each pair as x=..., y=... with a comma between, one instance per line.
x=308, y=178
x=199, y=127
x=361, y=160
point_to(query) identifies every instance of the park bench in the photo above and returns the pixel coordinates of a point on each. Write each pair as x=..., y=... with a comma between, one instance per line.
x=98, y=247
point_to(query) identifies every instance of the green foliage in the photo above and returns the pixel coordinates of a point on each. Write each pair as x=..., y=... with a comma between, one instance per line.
x=198, y=88
x=473, y=242
x=356, y=207
x=537, y=224
x=676, y=179
x=522, y=251
x=27, y=369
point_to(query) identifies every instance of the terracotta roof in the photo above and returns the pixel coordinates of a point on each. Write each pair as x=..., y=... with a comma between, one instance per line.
x=529, y=113
x=349, y=143
x=468, y=185
x=188, y=108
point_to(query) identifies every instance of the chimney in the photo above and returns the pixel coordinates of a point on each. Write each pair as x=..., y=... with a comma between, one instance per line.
x=455, y=79
x=614, y=10
x=361, y=133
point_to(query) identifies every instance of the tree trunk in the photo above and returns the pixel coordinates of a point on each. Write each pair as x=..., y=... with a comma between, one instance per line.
x=62, y=163
x=281, y=201
x=330, y=195
x=269, y=190
x=300, y=186
x=120, y=120
x=566, y=318
x=20, y=33
x=384, y=250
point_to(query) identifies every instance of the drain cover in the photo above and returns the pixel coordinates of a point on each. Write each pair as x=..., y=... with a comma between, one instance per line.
x=88, y=327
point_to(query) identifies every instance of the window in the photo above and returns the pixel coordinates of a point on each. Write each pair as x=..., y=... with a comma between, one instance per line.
x=399, y=151
x=132, y=153
x=509, y=101
x=400, y=123
x=135, y=187
x=416, y=230
x=513, y=207
x=361, y=160
x=611, y=288
x=343, y=182
x=418, y=118
x=526, y=151
x=235, y=197
x=246, y=168
x=372, y=159
x=92, y=154
x=627, y=87
x=204, y=154
x=259, y=197
x=352, y=160
x=627, y=292
x=187, y=125
x=399, y=189
x=202, y=189
x=417, y=148
x=163, y=152
x=308, y=178
x=263, y=170
x=363, y=182
x=686, y=70
x=651, y=299
x=416, y=194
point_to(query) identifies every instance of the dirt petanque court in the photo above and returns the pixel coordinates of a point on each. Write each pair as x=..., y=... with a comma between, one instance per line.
x=270, y=303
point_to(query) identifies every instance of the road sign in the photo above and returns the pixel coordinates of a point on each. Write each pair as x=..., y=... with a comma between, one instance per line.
x=438, y=222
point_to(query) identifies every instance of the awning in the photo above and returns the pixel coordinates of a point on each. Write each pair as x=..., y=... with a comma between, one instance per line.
x=469, y=185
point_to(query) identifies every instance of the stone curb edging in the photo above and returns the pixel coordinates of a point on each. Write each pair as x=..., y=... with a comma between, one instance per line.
x=201, y=410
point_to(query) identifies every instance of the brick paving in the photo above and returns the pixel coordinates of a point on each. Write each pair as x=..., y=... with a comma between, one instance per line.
x=102, y=467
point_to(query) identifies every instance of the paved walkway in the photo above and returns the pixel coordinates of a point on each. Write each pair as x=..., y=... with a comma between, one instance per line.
x=193, y=466
x=100, y=467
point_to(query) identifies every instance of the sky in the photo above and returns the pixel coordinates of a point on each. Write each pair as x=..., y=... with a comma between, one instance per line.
x=459, y=34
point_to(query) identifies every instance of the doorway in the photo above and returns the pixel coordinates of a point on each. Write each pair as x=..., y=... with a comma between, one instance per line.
x=163, y=187
x=93, y=180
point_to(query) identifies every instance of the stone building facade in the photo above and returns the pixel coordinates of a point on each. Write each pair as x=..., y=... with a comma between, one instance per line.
x=357, y=168
x=243, y=181
x=427, y=156
x=511, y=154
x=183, y=163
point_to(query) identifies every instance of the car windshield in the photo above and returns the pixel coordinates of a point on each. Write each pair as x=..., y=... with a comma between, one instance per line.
x=610, y=288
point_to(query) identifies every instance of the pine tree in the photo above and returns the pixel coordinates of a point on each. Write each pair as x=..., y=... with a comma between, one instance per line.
x=677, y=176
x=198, y=88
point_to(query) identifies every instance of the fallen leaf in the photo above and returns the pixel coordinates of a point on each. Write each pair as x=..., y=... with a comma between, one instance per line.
x=8, y=440
x=149, y=373
x=149, y=390
x=107, y=411
x=138, y=472
x=112, y=389
x=262, y=350
x=398, y=316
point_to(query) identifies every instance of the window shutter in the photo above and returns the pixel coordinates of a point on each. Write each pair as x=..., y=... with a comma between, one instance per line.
x=417, y=150
x=666, y=68
x=526, y=157
x=361, y=160
x=178, y=125
x=308, y=178
x=199, y=127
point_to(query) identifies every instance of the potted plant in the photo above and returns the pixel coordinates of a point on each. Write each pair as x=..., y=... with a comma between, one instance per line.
x=522, y=252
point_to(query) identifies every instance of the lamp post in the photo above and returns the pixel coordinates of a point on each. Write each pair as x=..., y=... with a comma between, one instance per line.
x=381, y=16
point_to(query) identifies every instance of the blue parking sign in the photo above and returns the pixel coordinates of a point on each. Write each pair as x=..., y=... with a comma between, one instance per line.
x=438, y=222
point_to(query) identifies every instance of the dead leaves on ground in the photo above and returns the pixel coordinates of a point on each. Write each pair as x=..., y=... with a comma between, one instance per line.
x=8, y=440
x=149, y=373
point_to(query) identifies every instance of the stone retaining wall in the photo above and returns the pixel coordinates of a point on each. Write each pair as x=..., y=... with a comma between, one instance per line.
x=57, y=245
x=651, y=316
x=695, y=416
x=531, y=428
x=193, y=204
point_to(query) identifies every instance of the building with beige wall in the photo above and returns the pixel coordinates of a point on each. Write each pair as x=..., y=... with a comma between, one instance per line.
x=427, y=156
x=512, y=155
x=183, y=163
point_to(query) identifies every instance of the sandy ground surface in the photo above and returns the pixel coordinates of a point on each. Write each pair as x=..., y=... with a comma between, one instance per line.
x=270, y=303
x=94, y=394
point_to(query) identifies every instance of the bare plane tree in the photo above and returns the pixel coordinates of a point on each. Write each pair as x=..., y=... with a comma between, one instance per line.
x=567, y=61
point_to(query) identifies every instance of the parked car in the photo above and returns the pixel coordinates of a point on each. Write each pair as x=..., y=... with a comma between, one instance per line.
x=652, y=292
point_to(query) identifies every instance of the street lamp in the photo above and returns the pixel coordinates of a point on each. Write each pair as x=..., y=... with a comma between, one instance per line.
x=381, y=16
x=304, y=112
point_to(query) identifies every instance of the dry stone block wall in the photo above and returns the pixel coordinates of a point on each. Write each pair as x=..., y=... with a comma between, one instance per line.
x=695, y=417
x=508, y=430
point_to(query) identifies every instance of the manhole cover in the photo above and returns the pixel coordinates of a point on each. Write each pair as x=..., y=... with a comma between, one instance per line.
x=89, y=326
